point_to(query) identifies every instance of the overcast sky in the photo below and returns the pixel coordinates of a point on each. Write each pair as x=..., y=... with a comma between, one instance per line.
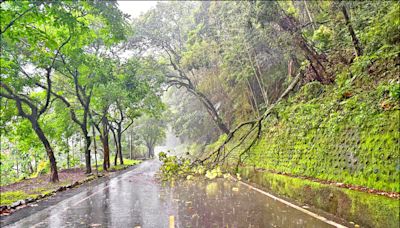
x=135, y=8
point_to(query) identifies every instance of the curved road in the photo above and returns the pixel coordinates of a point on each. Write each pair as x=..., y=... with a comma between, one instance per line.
x=136, y=199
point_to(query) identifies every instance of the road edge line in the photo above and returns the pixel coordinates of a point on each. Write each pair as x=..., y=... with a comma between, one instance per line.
x=330, y=222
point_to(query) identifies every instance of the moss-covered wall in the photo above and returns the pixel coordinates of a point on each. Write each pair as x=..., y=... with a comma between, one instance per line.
x=347, y=136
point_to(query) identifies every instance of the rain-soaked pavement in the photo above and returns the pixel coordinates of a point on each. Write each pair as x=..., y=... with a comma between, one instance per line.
x=136, y=199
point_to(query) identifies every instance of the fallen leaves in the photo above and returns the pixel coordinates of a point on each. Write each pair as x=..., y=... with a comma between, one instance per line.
x=212, y=174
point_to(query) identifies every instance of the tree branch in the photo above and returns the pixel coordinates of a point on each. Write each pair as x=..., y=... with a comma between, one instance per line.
x=48, y=74
x=15, y=19
x=130, y=123
x=257, y=123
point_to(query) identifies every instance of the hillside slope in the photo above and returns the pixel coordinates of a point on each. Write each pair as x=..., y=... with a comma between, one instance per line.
x=346, y=135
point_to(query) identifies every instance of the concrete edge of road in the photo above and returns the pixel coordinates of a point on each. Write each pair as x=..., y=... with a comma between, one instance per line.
x=312, y=214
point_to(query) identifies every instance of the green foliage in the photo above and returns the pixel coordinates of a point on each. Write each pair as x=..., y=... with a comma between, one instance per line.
x=394, y=90
x=129, y=162
x=43, y=168
x=69, y=47
x=382, y=34
x=323, y=38
x=39, y=33
x=217, y=143
x=7, y=198
x=346, y=131
x=162, y=156
x=212, y=174
x=310, y=91
x=289, y=8
x=174, y=167
x=151, y=131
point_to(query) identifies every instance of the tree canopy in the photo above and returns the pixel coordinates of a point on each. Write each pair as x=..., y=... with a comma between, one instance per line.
x=62, y=71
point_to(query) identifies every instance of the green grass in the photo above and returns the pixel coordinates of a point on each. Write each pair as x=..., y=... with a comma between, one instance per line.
x=127, y=163
x=7, y=198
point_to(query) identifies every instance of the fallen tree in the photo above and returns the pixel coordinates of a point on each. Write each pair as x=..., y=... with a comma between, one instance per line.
x=219, y=155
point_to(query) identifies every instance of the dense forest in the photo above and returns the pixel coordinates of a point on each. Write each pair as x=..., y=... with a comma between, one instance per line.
x=66, y=83
x=218, y=73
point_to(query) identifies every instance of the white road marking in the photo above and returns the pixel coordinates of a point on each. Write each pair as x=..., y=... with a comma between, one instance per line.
x=293, y=206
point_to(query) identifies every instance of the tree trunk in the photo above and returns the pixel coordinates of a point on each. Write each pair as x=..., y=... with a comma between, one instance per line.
x=119, y=138
x=213, y=112
x=73, y=151
x=257, y=75
x=95, y=150
x=203, y=98
x=30, y=168
x=150, y=151
x=130, y=146
x=106, y=146
x=87, y=154
x=356, y=41
x=254, y=103
x=116, y=157
x=293, y=65
x=251, y=103
x=106, y=152
x=116, y=147
x=49, y=150
x=68, y=153
x=81, y=154
x=36, y=162
x=17, y=167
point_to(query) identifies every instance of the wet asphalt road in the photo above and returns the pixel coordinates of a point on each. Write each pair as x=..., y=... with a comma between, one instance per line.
x=136, y=199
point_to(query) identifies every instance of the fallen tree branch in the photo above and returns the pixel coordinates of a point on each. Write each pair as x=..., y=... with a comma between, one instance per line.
x=255, y=124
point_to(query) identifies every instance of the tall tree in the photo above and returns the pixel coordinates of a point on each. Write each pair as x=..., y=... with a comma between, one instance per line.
x=138, y=92
x=79, y=70
x=30, y=61
x=151, y=33
x=152, y=132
